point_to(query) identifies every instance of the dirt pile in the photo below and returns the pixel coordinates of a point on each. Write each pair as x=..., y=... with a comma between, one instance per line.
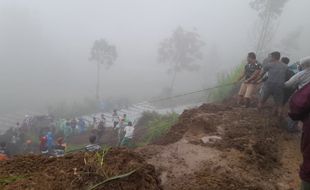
x=79, y=171
x=254, y=152
x=193, y=121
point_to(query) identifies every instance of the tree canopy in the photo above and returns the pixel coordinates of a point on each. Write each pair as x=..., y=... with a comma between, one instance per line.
x=266, y=8
x=103, y=53
x=181, y=50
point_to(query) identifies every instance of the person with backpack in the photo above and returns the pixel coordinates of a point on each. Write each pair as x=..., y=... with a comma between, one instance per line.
x=299, y=110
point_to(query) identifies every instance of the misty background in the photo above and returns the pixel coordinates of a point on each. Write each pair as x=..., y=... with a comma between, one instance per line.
x=45, y=46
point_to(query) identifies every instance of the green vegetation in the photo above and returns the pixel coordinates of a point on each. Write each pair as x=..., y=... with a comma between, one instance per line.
x=155, y=125
x=9, y=179
x=103, y=169
x=224, y=80
x=74, y=148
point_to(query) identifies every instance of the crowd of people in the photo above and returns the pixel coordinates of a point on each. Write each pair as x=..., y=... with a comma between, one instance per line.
x=53, y=134
x=285, y=83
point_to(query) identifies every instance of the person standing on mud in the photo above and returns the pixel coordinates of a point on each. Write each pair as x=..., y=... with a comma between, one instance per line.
x=274, y=85
x=115, y=118
x=73, y=125
x=300, y=111
x=129, y=129
x=289, y=74
x=92, y=147
x=249, y=86
x=4, y=153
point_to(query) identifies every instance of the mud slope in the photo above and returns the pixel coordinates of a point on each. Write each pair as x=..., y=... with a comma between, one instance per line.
x=78, y=171
x=253, y=152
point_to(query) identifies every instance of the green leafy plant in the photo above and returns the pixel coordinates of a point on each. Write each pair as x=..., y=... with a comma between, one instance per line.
x=224, y=90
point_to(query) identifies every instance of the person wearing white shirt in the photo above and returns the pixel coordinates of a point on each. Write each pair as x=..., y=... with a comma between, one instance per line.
x=129, y=130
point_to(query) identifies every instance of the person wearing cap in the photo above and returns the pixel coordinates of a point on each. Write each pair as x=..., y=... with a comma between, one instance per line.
x=301, y=78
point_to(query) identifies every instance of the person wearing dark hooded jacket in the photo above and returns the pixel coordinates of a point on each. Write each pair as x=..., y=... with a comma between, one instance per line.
x=299, y=106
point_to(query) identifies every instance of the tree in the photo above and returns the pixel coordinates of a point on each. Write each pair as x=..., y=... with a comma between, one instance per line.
x=103, y=54
x=181, y=51
x=268, y=12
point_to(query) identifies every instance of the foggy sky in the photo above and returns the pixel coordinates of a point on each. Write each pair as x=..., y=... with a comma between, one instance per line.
x=45, y=45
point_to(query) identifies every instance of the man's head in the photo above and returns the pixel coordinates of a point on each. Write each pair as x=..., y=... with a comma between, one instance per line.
x=285, y=60
x=92, y=139
x=251, y=57
x=125, y=115
x=305, y=63
x=129, y=123
x=275, y=56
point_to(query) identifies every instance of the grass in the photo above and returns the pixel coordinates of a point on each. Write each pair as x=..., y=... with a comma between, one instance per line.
x=98, y=161
x=156, y=126
x=224, y=92
x=74, y=148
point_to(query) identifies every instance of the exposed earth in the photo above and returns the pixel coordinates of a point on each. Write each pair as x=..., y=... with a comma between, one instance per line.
x=216, y=147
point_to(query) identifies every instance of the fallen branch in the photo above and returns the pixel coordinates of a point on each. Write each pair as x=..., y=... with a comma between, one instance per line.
x=112, y=178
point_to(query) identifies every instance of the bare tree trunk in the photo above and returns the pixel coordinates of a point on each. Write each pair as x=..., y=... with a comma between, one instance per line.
x=265, y=31
x=98, y=82
x=173, y=80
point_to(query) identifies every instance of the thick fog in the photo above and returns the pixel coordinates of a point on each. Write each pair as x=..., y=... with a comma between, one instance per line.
x=45, y=45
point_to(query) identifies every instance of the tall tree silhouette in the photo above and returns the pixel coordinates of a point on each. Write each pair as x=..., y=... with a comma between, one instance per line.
x=103, y=54
x=181, y=51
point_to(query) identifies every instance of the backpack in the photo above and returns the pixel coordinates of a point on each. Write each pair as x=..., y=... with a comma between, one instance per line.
x=300, y=103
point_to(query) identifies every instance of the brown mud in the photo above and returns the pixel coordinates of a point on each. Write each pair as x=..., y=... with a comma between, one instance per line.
x=253, y=152
x=79, y=171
